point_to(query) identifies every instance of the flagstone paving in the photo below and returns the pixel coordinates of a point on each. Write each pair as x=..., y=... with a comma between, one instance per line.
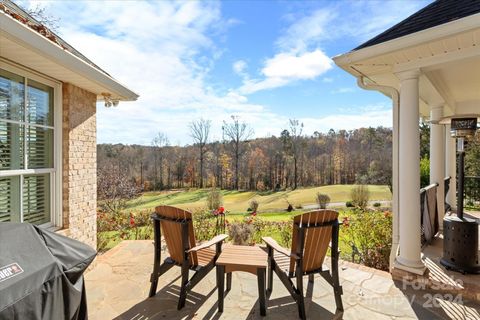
x=118, y=284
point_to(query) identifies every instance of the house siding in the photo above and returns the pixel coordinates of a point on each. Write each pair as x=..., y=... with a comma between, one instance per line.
x=79, y=164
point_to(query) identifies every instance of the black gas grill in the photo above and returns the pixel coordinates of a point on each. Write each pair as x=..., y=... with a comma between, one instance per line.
x=41, y=274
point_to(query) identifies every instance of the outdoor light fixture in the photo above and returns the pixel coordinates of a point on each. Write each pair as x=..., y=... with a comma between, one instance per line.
x=460, y=234
x=107, y=97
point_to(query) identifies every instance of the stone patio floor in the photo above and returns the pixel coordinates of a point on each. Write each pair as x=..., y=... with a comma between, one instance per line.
x=117, y=288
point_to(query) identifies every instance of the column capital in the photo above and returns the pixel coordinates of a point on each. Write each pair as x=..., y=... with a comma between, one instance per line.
x=436, y=112
x=436, y=105
x=409, y=74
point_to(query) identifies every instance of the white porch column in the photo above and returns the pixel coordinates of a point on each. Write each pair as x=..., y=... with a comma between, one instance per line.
x=451, y=167
x=409, y=175
x=437, y=158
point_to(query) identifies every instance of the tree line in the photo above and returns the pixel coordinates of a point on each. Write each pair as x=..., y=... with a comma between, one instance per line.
x=289, y=160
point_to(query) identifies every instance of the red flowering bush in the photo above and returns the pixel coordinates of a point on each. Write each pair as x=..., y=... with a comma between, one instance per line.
x=219, y=211
x=112, y=227
x=204, y=224
x=370, y=234
x=345, y=222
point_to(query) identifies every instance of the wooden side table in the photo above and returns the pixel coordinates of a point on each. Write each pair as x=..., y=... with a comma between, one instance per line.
x=242, y=258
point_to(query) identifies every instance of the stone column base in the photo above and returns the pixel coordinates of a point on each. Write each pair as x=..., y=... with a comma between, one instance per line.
x=417, y=269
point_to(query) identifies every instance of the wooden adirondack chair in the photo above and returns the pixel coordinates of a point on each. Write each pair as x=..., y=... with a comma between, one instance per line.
x=312, y=233
x=177, y=228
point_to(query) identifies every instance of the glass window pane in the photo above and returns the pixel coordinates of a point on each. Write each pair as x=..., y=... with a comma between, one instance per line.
x=39, y=103
x=36, y=198
x=12, y=96
x=11, y=146
x=40, y=147
x=10, y=199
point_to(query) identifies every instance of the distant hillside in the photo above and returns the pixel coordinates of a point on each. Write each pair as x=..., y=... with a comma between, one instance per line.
x=239, y=201
x=274, y=163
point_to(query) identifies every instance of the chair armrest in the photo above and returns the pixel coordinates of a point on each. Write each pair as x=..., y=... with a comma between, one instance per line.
x=209, y=243
x=275, y=246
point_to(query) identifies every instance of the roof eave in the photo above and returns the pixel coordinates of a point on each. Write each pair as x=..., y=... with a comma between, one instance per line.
x=447, y=29
x=43, y=46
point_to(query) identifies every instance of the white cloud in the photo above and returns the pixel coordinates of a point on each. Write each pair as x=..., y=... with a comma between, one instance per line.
x=239, y=67
x=300, y=56
x=303, y=66
x=165, y=51
x=327, y=80
x=307, y=31
x=349, y=121
x=162, y=50
x=284, y=68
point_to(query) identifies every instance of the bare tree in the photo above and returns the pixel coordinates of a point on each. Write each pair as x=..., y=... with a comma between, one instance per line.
x=295, y=145
x=159, y=142
x=199, y=131
x=115, y=189
x=39, y=14
x=237, y=133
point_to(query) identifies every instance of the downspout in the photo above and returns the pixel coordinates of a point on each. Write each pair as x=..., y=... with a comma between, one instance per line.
x=393, y=93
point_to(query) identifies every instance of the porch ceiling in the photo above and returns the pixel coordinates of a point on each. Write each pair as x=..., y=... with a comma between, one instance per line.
x=448, y=57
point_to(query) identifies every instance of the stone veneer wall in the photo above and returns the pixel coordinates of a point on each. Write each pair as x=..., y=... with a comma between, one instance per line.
x=79, y=164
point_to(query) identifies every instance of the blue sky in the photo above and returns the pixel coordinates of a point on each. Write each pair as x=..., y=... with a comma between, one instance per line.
x=264, y=61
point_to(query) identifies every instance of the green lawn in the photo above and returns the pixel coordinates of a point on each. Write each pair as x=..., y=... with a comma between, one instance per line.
x=238, y=201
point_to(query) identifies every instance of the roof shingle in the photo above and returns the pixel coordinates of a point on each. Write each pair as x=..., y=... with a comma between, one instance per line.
x=435, y=14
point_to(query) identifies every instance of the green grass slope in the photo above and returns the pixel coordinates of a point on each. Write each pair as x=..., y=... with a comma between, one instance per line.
x=238, y=201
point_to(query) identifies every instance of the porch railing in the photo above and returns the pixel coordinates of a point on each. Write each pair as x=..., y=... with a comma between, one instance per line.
x=428, y=213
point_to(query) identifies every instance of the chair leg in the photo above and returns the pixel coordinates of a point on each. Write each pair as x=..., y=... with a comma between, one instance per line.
x=270, y=271
x=261, y=291
x=300, y=298
x=220, y=286
x=183, y=289
x=311, y=278
x=337, y=288
x=156, y=259
x=229, y=281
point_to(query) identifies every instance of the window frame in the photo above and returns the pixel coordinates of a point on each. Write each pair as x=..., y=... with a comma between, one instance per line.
x=56, y=183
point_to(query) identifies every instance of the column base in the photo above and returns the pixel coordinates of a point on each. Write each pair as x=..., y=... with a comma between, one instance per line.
x=416, y=267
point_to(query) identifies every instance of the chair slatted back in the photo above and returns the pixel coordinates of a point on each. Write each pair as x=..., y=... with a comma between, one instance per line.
x=316, y=239
x=172, y=232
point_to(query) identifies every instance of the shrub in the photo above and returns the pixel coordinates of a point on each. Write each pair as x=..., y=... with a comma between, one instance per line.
x=290, y=208
x=360, y=196
x=114, y=227
x=424, y=172
x=251, y=230
x=254, y=205
x=214, y=199
x=349, y=204
x=240, y=233
x=377, y=204
x=370, y=235
x=111, y=221
x=286, y=230
x=204, y=224
x=323, y=200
